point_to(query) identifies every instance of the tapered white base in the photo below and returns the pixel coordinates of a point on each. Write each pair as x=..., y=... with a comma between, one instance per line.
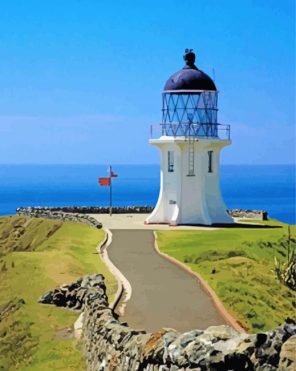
x=184, y=198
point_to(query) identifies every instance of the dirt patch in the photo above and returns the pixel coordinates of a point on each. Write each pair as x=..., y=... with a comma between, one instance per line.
x=59, y=271
x=11, y=306
x=25, y=234
x=65, y=333
x=54, y=228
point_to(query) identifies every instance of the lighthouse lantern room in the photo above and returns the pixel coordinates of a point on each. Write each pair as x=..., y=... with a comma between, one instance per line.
x=190, y=144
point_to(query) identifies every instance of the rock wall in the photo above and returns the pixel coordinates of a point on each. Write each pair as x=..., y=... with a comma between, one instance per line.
x=112, y=345
x=49, y=213
x=248, y=214
x=89, y=209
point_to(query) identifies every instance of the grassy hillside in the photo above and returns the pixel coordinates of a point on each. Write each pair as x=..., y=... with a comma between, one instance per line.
x=37, y=255
x=238, y=264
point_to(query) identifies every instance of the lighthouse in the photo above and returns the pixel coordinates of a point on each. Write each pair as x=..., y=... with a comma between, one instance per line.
x=190, y=142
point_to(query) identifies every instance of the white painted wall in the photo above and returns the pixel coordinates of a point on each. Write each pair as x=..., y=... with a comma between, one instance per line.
x=187, y=199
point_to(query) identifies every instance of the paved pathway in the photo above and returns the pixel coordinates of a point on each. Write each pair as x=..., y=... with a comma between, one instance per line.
x=136, y=221
x=163, y=295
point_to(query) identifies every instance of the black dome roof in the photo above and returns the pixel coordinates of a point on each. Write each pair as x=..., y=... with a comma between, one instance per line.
x=190, y=77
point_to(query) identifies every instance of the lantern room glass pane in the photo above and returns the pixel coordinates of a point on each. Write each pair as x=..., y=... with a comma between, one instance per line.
x=190, y=108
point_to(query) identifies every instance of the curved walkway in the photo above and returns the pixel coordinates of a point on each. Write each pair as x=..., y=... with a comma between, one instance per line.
x=163, y=295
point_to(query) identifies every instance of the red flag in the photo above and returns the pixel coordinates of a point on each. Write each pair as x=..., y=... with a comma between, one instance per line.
x=104, y=182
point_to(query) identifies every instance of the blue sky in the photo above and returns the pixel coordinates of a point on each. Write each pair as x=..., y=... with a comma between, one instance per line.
x=81, y=80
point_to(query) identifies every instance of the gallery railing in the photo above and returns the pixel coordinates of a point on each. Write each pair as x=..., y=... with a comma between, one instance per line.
x=199, y=130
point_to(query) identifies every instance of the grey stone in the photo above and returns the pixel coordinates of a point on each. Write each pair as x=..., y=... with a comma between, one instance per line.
x=288, y=355
x=112, y=345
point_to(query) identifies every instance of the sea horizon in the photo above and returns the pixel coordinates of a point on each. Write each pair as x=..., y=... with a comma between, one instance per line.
x=263, y=187
x=128, y=164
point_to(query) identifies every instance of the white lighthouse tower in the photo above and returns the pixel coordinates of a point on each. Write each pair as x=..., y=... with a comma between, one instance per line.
x=190, y=144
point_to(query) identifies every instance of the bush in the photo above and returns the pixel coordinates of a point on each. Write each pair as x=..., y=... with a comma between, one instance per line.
x=233, y=253
x=286, y=272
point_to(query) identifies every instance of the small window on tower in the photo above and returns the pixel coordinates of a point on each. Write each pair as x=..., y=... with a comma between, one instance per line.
x=210, y=168
x=170, y=161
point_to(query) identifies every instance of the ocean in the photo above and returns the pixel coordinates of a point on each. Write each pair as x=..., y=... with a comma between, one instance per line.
x=262, y=187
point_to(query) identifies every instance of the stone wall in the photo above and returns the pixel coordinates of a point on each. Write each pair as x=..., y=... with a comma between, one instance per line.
x=49, y=213
x=37, y=211
x=89, y=209
x=248, y=214
x=112, y=345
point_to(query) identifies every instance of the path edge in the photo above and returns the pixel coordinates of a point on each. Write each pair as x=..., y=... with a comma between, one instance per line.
x=216, y=300
x=124, y=289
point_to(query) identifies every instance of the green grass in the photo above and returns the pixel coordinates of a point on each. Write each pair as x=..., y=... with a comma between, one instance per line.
x=36, y=256
x=243, y=260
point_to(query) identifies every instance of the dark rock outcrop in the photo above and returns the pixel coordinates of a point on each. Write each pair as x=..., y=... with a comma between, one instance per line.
x=112, y=345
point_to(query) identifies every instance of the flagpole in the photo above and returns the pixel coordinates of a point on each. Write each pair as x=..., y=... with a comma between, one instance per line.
x=110, y=207
x=104, y=182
